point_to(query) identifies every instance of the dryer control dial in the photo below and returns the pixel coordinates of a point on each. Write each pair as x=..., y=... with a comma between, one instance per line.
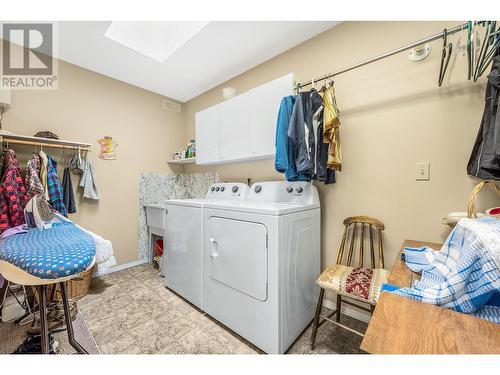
x=222, y=188
x=217, y=188
x=289, y=189
x=235, y=188
x=299, y=189
x=257, y=189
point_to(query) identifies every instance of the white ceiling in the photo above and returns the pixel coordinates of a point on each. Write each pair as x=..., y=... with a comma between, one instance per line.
x=211, y=55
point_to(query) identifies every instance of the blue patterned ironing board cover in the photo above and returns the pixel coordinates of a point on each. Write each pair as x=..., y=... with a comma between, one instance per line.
x=60, y=251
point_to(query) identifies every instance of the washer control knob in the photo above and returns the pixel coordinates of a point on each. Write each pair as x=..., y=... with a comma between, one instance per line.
x=289, y=189
x=258, y=188
x=212, y=189
x=299, y=189
x=235, y=188
x=222, y=188
x=217, y=188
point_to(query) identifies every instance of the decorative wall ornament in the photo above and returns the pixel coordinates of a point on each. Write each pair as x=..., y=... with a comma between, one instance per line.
x=108, y=146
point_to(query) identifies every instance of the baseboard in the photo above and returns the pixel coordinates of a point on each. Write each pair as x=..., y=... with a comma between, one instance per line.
x=121, y=267
x=348, y=310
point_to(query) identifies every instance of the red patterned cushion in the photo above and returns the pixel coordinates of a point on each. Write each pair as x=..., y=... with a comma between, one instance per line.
x=359, y=283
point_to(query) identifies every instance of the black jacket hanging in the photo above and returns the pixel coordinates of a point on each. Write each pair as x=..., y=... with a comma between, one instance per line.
x=301, y=131
x=68, y=194
x=484, y=161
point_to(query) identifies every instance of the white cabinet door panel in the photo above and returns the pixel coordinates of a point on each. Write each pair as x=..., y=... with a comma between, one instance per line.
x=207, y=135
x=234, y=132
x=264, y=102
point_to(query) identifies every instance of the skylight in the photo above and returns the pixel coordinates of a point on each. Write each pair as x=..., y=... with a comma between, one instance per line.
x=157, y=40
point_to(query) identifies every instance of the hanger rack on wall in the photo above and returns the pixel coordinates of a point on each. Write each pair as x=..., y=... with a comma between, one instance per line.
x=459, y=28
x=18, y=139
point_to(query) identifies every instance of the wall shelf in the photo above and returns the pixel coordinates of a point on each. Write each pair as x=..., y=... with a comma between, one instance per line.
x=8, y=137
x=183, y=161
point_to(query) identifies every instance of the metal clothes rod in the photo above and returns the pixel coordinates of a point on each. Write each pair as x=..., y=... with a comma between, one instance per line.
x=43, y=144
x=387, y=54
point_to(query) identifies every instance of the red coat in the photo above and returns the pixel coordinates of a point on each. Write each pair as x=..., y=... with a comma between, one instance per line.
x=13, y=196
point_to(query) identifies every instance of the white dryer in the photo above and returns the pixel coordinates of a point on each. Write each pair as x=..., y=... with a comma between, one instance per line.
x=182, y=263
x=261, y=259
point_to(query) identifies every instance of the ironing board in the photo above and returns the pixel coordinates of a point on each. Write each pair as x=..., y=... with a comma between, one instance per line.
x=44, y=257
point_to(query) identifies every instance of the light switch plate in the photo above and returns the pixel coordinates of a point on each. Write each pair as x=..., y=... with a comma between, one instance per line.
x=422, y=171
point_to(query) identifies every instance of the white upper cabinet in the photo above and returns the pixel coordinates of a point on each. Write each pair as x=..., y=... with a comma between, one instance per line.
x=207, y=132
x=242, y=128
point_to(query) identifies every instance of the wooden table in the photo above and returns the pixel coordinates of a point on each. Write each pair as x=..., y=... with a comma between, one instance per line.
x=402, y=326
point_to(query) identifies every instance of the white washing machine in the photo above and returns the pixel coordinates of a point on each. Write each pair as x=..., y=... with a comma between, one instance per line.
x=182, y=263
x=261, y=260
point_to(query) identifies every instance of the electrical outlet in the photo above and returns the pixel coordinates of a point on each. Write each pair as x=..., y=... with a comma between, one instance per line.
x=422, y=171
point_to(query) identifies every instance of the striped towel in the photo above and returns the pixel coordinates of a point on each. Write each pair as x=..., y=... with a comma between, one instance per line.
x=465, y=274
x=419, y=258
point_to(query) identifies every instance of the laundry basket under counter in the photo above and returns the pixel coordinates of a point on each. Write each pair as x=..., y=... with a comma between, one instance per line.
x=155, y=220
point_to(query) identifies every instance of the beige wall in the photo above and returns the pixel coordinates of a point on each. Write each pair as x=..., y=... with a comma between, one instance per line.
x=393, y=115
x=88, y=106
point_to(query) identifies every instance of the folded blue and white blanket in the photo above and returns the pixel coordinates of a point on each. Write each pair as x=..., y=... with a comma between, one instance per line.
x=465, y=274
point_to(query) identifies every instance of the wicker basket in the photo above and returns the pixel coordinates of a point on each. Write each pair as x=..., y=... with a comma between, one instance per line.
x=471, y=205
x=79, y=286
x=451, y=221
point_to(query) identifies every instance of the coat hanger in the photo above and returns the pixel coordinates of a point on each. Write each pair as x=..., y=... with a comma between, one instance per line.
x=470, y=49
x=445, y=57
x=491, y=43
x=297, y=88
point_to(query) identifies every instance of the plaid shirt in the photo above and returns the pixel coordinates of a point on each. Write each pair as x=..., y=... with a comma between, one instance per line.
x=32, y=180
x=54, y=187
x=13, y=197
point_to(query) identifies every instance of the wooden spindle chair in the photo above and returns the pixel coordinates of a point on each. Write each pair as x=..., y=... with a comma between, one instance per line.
x=360, y=283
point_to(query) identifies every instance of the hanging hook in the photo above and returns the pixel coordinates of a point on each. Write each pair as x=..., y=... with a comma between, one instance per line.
x=332, y=81
x=488, y=50
x=445, y=57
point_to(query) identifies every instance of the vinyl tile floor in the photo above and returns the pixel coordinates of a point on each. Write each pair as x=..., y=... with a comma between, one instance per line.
x=132, y=312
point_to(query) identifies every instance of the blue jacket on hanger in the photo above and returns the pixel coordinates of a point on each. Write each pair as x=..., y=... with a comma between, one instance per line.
x=284, y=161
